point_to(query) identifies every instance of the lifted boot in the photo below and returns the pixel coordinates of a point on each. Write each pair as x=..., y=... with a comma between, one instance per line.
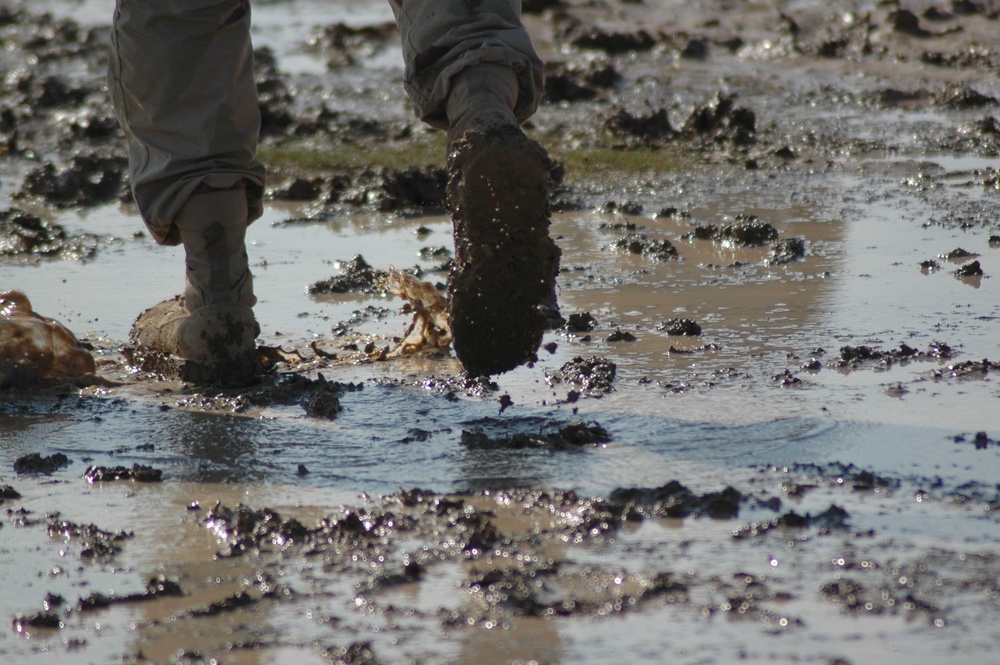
x=503, y=283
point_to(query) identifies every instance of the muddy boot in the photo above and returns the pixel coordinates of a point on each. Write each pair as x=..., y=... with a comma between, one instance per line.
x=211, y=326
x=503, y=283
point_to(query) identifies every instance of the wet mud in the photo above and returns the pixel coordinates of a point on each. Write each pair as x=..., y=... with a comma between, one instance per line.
x=761, y=427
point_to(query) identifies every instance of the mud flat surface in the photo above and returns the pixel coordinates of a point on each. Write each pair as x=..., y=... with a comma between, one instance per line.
x=768, y=431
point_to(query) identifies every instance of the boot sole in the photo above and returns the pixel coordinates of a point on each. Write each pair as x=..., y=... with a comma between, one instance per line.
x=505, y=262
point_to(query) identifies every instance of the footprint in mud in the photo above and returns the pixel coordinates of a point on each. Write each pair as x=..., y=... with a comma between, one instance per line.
x=35, y=348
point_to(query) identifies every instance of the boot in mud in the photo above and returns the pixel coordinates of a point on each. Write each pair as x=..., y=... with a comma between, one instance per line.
x=502, y=293
x=210, y=328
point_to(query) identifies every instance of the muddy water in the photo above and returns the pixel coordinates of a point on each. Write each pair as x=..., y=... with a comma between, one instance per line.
x=495, y=561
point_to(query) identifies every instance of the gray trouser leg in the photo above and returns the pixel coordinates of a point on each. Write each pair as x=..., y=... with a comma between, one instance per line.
x=181, y=78
x=443, y=37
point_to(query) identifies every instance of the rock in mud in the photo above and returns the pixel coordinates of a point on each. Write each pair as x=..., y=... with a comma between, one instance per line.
x=36, y=464
x=138, y=472
x=592, y=376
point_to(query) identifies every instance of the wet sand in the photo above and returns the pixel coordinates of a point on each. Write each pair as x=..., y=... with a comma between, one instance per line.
x=812, y=479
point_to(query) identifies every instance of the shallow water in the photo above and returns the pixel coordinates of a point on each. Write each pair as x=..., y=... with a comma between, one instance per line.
x=712, y=411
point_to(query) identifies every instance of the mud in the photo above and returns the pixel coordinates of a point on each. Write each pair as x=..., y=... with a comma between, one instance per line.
x=777, y=445
x=35, y=463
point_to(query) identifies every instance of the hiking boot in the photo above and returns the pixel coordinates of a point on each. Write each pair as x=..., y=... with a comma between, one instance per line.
x=502, y=292
x=211, y=327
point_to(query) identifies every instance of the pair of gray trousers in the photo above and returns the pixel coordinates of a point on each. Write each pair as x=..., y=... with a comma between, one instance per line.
x=182, y=84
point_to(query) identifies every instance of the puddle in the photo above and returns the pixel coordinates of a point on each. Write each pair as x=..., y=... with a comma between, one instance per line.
x=824, y=452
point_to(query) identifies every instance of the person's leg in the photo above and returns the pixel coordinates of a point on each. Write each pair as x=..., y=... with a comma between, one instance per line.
x=471, y=69
x=181, y=77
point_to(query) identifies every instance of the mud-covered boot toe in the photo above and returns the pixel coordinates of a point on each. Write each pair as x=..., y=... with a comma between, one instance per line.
x=215, y=344
x=503, y=283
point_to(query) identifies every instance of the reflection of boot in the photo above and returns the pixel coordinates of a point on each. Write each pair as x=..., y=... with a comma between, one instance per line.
x=211, y=326
x=503, y=283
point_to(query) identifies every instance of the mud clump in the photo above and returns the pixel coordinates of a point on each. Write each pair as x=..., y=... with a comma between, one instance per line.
x=888, y=599
x=852, y=357
x=357, y=276
x=680, y=327
x=786, y=250
x=356, y=653
x=24, y=234
x=8, y=493
x=970, y=270
x=981, y=440
x=344, y=45
x=571, y=82
x=274, y=98
x=651, y=126
x=87, y=180
x=244, y=529
x=138, y=472
x=34, y=463
x=832, y=518
x=580, y=322
x=571, y=30
x=318, y=397
x=573, y=436
x=970, y=369
x=388, y=189
x=720, y=120
x=674, y=500
x=643, y=245
x=745, y=231
x=95, y=543
x=592, y=376
x=50, y=620
x=837, y=474
x=157, y=587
